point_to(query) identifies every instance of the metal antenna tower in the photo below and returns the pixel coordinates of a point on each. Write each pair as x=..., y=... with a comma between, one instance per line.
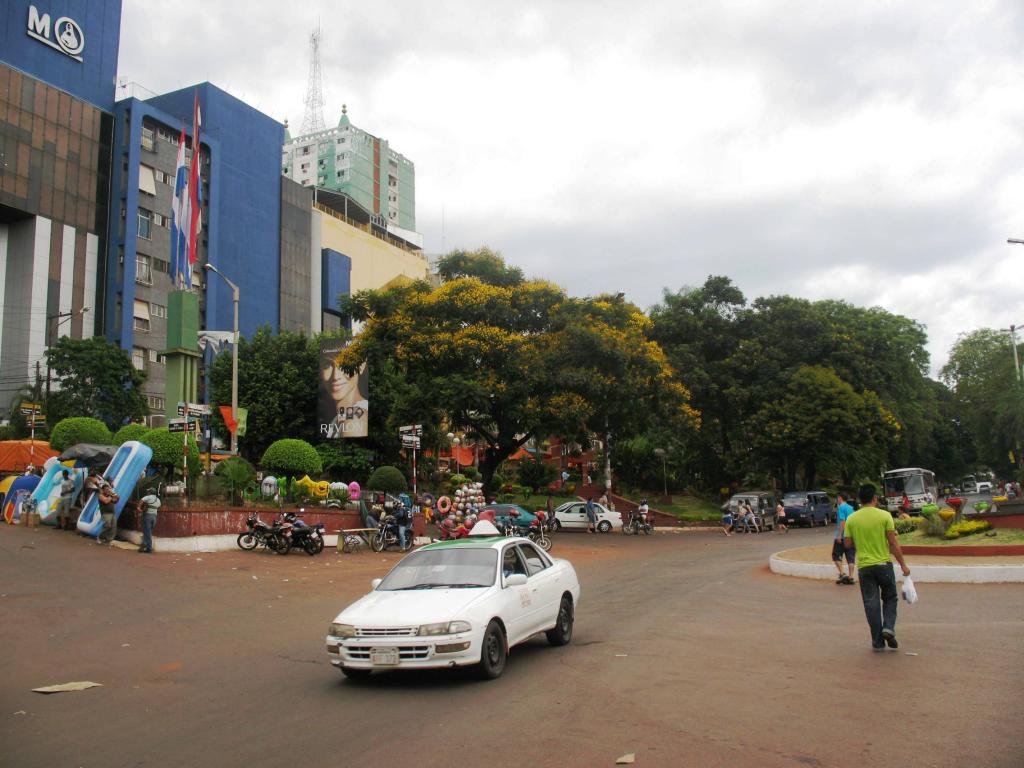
x=313, y=119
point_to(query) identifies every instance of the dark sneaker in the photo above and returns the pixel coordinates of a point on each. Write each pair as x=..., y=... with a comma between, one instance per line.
x=890, y=638
x=878, y=648
x=841, y=580
x=848, y=580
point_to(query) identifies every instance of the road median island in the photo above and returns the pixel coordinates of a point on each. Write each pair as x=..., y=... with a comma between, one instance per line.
x=814, y=563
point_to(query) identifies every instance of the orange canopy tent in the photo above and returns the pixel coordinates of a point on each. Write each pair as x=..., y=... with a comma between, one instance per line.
x=15, y=455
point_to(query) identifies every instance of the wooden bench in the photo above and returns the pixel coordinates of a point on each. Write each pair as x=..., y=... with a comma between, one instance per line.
x=351, y=539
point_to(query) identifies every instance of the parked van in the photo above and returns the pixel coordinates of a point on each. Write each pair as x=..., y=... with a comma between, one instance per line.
x=763, y=504
x=808, y=508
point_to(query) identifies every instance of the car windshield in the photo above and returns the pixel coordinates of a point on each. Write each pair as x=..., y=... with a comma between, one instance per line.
x=794, y=500
x=452, y=567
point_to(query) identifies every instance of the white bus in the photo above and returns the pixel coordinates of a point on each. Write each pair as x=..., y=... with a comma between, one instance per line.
x=918, y=484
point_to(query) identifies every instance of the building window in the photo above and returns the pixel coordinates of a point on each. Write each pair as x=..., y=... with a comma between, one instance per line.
x=140, y=315
x=148, y=139
x=145, y=224
x=143, y=269
x=161, y=177
x=160, y=220
x=161, y=266
x=156, y=403
x=158, y=310
x=341, y=174
x=139, y=358
x=305, y=150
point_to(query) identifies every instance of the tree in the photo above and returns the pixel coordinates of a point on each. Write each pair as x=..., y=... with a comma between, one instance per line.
x=97, y=377
x=535, y=473
x=485, y=265
x=167, y=450
x=510, y=363
x=344, y=460
x=388, y=479
x=277, y=383
x=79, y=429
x=130, y=432
x=292, y=457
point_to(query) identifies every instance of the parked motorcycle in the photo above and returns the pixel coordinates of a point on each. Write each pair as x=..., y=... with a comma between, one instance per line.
x=387, y=535
x=536, y=531
x=257, y=535
x=295, y=533
x=639, y=520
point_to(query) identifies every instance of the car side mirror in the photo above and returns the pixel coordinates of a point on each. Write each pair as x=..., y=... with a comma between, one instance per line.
x=375, y=583
x=515, y=580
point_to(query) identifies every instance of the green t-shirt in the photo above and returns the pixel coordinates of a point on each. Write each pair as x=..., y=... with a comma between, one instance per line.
x=867, y=527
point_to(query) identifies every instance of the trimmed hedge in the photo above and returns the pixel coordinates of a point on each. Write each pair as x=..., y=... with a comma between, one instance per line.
x=130, y=432
x=167, y=449
x=389, y=479
x=292, y=457
x=966, y=528
x=78, y=429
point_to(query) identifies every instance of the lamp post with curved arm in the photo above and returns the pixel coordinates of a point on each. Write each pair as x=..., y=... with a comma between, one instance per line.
x=234, y=359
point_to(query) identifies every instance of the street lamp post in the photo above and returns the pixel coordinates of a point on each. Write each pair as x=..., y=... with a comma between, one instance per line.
x=455, y=450
x=234, y=359
x=664, y=473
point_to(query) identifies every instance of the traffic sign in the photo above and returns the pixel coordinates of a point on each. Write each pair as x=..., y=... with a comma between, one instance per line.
x=30, y=407
x=414, y=430
x=181, y=409
x=408, y=441
x=180, y=425
x=199, y=409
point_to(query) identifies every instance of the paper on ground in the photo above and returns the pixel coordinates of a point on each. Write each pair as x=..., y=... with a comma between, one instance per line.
x=628, y=759
x=80, y=686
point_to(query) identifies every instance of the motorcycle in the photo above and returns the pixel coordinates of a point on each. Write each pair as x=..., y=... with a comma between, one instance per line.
x=295, y=533
x=388, y=535
x=536, y=531
x=257, y=535
x=639, y=520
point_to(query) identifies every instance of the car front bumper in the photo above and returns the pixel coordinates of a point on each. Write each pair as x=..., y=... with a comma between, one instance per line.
x=407, y=652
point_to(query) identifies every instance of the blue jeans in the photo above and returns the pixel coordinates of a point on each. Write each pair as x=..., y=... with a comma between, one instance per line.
x=403, y=533
x=148, y=521
x=878, y=590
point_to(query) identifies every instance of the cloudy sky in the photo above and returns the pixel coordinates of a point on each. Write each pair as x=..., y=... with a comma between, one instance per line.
x=870, y=151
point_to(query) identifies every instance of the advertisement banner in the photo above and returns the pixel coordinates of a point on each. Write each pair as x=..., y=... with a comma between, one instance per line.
x=343, y=410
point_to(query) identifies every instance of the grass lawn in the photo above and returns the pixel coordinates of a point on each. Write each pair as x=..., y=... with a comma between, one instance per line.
x=1003, y=536
x=692, y=508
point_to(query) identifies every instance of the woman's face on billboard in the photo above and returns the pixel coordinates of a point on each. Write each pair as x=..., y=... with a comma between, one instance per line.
x=342, y=387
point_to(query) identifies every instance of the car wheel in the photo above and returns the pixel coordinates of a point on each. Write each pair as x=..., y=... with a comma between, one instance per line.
x=493, y=652
x=604, y=526
x=558, y=525
x=561, y=634
x=355, y=674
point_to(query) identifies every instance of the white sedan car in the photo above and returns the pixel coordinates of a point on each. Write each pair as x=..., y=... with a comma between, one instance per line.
x=456, y=603
x=573, y=514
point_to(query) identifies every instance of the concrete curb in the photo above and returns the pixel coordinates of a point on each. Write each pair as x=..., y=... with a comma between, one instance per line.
x=219, y=543
x=959, y=574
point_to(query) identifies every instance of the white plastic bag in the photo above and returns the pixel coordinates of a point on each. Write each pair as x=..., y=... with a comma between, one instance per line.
x=909, y=591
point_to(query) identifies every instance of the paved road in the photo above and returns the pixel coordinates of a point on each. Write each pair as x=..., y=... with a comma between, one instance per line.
x=688, y=652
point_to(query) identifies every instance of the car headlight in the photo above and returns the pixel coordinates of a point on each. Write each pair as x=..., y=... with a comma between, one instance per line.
x=444, y=628
x=342, y=630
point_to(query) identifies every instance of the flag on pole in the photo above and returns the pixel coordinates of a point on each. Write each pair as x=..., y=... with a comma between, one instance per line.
x=180, y=218
x=195, y=192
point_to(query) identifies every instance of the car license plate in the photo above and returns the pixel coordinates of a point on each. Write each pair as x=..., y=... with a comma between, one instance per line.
x=384, y=656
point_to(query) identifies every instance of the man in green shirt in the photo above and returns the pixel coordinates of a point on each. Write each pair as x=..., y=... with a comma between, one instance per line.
x=872, y=532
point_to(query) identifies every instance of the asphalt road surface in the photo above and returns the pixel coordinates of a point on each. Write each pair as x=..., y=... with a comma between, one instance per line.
x=687, y=652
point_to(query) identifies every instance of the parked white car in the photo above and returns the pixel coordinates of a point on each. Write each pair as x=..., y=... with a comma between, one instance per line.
x=457, y=603
x=573, y=514
x=984, y=486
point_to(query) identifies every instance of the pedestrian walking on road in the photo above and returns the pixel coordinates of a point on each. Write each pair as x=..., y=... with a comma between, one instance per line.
x=67, y=490
x=727, y=519
x=108, y=498
x=591, y=515
x=780, y=518
x=839, y=548
x=872, y=532
x=149, y=506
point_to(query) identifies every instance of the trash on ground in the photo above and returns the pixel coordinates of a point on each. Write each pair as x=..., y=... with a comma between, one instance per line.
x=627, y=759
x=908, y=653
x=20, y=712
x=126, y=645
x=621, y=655
x=78, y=686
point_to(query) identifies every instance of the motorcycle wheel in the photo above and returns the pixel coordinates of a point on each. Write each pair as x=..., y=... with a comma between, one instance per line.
x=318, y=542
x=280, y=544
x=378, y=543
x=647, y=529
x=544, y=542
x=246, y=541
x=309, y=547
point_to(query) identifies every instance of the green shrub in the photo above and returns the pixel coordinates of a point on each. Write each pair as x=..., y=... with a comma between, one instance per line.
x=236, y=473
x=167, y=451
x=292, y=457
x=130, y=432
x=471, y=472
x=79, y=429
x=339, y=494
x=388, y=479
x=905, y=526
x=934, y=525
x=456, y=481
x=929, y=509
x=966, y=528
